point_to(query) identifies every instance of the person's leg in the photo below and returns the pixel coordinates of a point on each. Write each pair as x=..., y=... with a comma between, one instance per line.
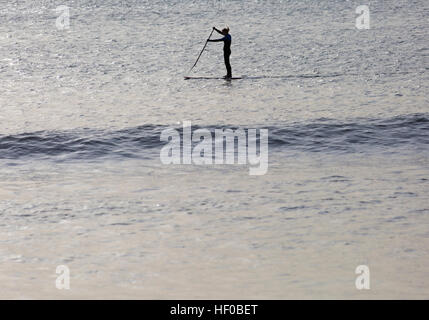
x=226, y=56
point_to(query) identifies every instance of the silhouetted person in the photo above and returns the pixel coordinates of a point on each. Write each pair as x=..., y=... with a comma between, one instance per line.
x=226, y=49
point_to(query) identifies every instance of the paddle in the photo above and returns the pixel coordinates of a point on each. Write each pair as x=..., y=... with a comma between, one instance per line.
x=201, y=51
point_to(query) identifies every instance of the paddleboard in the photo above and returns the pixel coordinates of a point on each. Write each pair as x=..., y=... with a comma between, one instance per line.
x=212, y=78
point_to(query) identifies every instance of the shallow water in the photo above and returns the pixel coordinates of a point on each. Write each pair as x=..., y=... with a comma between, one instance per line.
x=82, y=184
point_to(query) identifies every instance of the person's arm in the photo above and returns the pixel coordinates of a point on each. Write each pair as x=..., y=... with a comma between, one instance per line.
x=216, y=40
x=214, y=28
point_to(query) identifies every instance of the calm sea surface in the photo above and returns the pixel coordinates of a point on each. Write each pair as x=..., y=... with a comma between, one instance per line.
x=81, y=181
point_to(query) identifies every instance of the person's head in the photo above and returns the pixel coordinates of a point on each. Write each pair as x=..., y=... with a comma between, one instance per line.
x=225, y=31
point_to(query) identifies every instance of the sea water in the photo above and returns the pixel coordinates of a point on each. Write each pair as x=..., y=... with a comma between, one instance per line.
x=88, y=86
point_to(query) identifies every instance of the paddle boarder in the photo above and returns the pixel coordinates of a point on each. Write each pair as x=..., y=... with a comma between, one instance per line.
x=226, y=48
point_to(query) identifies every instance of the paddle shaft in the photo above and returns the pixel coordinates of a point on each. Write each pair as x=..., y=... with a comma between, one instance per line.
x=201, y=51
